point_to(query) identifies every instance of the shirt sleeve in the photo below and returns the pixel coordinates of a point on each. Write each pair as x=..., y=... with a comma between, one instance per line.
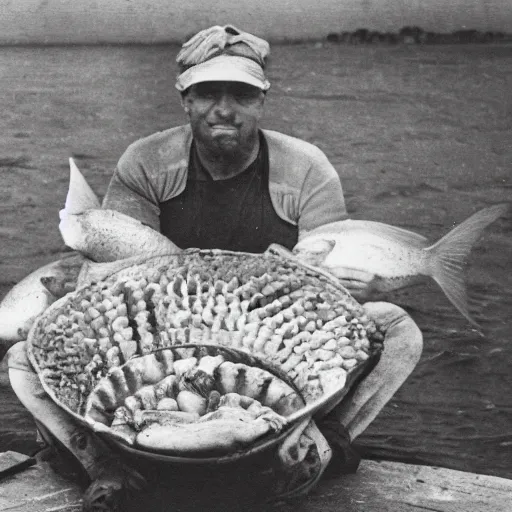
x=130, y=191
x=321, y=199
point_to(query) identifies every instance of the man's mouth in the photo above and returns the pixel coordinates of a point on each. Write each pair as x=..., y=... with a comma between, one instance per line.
x=223, y=127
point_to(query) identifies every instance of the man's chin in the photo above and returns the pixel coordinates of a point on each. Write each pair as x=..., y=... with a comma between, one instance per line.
x=226, y=143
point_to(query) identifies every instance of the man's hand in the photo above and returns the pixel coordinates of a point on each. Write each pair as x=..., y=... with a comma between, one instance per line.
x=359, y=283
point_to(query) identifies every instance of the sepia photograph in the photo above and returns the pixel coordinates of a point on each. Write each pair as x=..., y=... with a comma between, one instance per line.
x=256, y=256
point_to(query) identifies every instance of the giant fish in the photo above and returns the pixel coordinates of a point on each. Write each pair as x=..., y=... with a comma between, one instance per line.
x=398, y=257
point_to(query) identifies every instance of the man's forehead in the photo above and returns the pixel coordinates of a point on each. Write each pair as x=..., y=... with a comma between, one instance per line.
x=225, y=85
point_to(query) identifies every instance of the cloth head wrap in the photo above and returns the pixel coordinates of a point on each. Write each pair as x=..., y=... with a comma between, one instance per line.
x=223, y=54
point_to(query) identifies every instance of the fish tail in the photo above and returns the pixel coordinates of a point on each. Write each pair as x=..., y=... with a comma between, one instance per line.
x=80, y=196
x=449, y=255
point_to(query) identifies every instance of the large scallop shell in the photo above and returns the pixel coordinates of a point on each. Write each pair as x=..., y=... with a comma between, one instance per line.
x=297, y=320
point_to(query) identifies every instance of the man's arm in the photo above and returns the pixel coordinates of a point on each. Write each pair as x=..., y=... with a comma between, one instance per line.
x=322, y=202
x=321, y=199
x=130, y=191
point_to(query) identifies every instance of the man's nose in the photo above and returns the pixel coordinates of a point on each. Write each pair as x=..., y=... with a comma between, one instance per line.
x=225, y=104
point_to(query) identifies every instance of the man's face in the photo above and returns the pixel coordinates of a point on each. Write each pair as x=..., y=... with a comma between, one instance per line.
x=224, y=116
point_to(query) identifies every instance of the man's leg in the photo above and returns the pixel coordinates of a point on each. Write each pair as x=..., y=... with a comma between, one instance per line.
x=27, y=386
x=105, y=470
x=403, y=345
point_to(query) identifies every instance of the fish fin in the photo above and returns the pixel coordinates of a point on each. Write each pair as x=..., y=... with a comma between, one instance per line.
x=80, y=196
x=391, y=233
x=395, y=234
x=449, y=255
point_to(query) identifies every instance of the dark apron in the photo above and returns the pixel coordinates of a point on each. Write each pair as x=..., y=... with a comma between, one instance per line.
x=234, y=214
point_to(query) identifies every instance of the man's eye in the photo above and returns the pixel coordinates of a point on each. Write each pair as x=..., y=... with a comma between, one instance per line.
x=206, y=91
x=246, y=93
x=207, y=94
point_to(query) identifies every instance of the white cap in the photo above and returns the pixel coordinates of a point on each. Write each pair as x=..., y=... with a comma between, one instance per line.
x=223, y=54
x=224, y=68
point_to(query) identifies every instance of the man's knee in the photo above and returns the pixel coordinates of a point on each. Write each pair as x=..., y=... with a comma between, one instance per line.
x=403, y=341
x=414, y=347
x=17, y=358
x=22, y=377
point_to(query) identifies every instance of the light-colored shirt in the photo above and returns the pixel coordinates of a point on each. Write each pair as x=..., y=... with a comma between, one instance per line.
x=304, y=187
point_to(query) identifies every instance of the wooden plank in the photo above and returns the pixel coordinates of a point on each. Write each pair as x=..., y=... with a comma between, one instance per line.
x=39, y=489
x=13, y=462
x=391, y=486
x=377, y=486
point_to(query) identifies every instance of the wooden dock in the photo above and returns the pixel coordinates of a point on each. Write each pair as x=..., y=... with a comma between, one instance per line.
x=377, y=487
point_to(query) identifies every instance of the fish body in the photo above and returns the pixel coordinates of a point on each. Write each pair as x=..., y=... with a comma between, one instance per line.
x=105, y=235
x=398, y=257
x=33, y=294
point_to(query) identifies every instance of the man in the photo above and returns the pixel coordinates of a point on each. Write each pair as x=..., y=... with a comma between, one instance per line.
x=222, y=182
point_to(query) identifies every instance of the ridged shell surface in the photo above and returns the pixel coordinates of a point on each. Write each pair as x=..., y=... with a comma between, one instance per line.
x=285, y=312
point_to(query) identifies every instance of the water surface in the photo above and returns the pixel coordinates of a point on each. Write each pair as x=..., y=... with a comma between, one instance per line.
x=421, y=139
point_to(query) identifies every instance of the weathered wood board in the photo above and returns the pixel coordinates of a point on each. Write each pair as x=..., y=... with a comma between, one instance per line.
x=38, y=489
x=377, y=487
x=392, y=487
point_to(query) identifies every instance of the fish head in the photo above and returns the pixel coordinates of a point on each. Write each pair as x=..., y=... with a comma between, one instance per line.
x=58, y=286
x=314, y=250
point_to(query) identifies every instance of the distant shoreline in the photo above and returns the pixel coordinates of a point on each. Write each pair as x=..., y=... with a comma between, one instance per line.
x=417, y=35
x=408, y=35
x=280, y=42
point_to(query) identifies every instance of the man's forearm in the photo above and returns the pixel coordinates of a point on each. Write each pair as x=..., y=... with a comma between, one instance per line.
x=121, y=198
